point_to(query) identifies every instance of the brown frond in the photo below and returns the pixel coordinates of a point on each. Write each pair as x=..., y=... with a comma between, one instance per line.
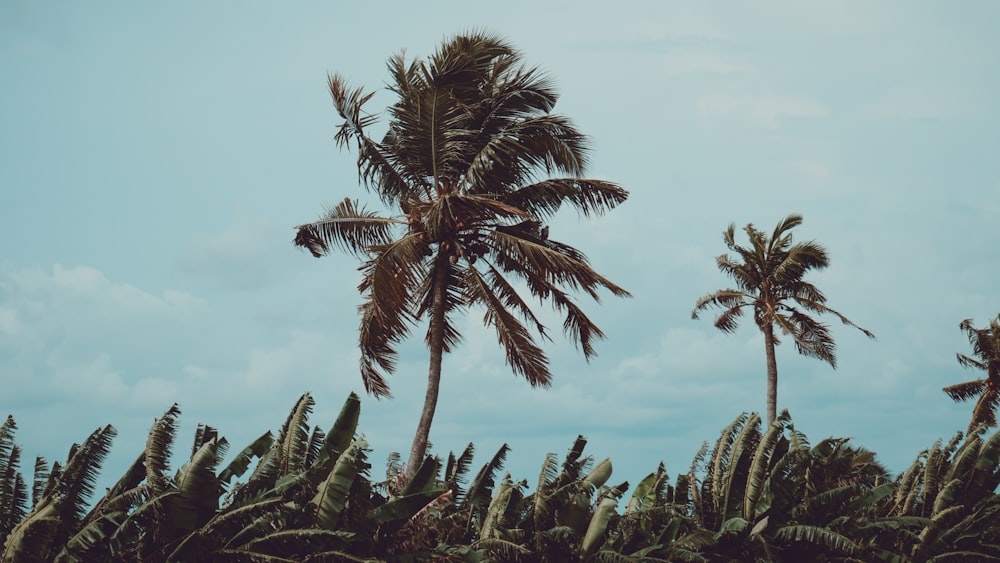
x=510, y=298
x=523, y=355
x=724, y=298
x=819, y=307
x=967, y=362
x=812, y=338
x=347, y=226
x=389, y=281
x=577, y=325
x=529, y=257
x=543, y=199
x=985, y=411
x=454, y=299
x=965, y=391
x=729, y=320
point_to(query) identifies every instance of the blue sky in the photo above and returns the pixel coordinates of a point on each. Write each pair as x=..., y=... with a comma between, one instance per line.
x=156, y=158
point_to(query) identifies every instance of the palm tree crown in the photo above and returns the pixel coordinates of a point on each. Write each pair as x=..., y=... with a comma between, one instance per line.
x=769, y=277
x=466, y=164
x=985, y=344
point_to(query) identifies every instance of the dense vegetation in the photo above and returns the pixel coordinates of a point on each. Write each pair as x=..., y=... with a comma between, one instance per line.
x=760, y=493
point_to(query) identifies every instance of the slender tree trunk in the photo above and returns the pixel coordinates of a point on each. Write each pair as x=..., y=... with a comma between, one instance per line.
x=436, y=345
x=772, y=373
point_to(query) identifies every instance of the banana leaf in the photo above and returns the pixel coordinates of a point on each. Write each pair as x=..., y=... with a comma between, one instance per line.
x=332, y=494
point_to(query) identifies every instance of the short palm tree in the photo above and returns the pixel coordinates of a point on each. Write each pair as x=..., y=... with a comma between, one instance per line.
x=465, y=167
x=986, y=349
x=768, y=276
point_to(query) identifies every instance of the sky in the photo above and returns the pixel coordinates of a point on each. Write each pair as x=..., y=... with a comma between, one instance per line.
x=156, y=158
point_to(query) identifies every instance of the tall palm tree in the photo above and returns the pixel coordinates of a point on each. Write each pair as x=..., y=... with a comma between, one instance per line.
x=768, y=276
x=986, y=349
x=465, y=167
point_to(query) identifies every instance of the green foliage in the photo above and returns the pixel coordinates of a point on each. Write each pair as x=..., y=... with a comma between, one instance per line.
x=756, y=495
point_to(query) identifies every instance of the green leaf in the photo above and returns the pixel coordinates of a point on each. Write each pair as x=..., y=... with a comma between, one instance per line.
x=333, y=492
x=238, y=466
x=198, y=488
x=817, y=536
x=404, y=507
x=424, y=479
x=594, y=537
x=341, y=434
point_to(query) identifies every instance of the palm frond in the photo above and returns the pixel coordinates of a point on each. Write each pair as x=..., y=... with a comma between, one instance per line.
x=746, y=274
x=724, y=299
x=455, y=214
x=375, y=164
x=518, y=148
x=968, y=362
x=781, y=237
x=812, y=338
x=819, y=307
x=590, y=197
x=791, y=264
x=519, y=254
x=448, y=275
x=965, y=391
x=523, y=355
x=348, y=226
x=500, y=287
x=985, y=411
x=391, y=279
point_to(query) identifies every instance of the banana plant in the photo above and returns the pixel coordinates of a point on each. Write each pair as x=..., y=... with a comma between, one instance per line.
x=950, y=491
x=13, y=489
x=58, y=515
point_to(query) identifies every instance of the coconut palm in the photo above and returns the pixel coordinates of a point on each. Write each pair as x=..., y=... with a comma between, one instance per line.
x=986, y=356
x=465, y=170
x=768, y=276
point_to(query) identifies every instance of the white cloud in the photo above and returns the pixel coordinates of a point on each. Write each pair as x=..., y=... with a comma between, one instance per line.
x=680, y=62
x=34, y=287
x=95, y=382
x=763, y=109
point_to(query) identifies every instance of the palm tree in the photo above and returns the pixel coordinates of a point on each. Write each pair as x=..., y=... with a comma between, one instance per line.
x=769, y=275
x=986, y=347
x=465, y=166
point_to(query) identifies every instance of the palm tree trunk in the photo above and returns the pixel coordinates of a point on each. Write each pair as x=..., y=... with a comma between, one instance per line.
x=772, y=373
x=436, y=345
